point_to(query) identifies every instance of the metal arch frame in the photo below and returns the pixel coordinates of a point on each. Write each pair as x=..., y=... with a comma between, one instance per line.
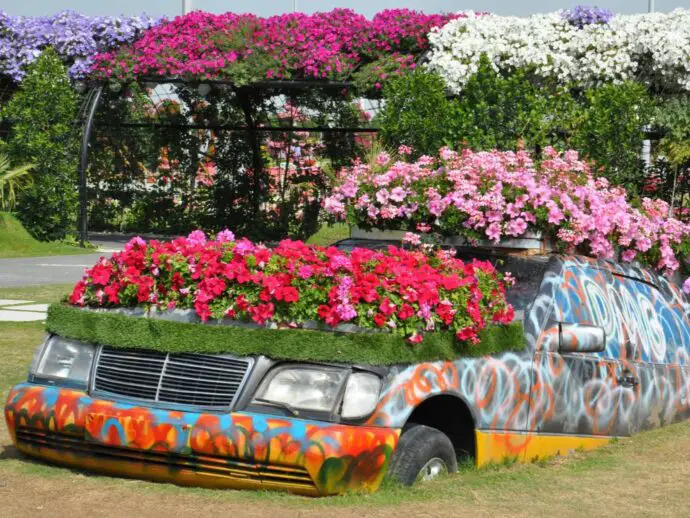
x=93, y=99
x=95, y=94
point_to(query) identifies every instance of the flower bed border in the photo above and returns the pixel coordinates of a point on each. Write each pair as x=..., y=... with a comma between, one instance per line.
x=118, y=330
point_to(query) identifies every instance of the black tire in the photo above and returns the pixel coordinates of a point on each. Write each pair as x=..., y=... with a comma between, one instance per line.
x=418, y=446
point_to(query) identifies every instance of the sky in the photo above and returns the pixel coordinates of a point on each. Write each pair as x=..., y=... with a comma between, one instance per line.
x=367, y=7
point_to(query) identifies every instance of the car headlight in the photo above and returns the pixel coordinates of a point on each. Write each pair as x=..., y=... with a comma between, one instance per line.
x=305, y=388
x=61, y=359
x=361, y=395
x=320, y=389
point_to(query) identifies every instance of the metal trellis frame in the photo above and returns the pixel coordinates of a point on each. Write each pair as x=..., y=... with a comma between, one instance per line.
x=244, y=95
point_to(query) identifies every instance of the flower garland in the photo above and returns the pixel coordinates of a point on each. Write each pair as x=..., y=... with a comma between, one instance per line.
x=246, y=48
x=499, y=195
x=583, y=46
x=75, y=37
x=404, y=292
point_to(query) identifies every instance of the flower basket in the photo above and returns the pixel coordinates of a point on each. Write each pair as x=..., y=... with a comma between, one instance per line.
x=308, y=297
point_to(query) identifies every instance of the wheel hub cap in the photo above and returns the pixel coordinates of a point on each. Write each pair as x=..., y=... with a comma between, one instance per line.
x=432, y=469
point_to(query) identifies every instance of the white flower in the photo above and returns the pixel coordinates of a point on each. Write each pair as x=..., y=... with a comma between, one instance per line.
x=651, y=48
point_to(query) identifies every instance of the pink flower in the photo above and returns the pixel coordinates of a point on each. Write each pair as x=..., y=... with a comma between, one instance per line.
x=382, y=196
x=493, y=231
x=197, y=238
x=416, y=338
x=383, y=158
x=404, y=150
x=412, y=239
x=225, y=236
x=686, y=286
x=305, y=271
x=628, y=256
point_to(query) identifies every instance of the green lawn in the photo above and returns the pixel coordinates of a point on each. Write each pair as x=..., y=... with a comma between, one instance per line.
x=44, y=293
x=15, y=241
x=646, y=475
x=329, y=234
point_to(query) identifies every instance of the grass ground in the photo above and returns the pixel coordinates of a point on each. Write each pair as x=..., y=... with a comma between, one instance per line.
x=329, y=234
x=15, y=241
x=647, y=475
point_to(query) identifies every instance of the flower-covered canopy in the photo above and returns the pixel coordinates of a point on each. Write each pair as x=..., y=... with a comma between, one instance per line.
x=243, y=48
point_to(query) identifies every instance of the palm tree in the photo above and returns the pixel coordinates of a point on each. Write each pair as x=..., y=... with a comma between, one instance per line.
x=12, y=181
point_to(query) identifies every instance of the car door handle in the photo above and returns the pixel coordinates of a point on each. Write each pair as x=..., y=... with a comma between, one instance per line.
x=628, y=380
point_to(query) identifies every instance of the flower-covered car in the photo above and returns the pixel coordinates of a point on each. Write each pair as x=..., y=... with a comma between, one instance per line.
x=227, y=364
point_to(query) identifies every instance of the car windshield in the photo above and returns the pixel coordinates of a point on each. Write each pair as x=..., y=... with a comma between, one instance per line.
x=528, y=271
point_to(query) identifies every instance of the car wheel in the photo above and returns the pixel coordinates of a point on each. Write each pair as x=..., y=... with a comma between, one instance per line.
x=423, y=454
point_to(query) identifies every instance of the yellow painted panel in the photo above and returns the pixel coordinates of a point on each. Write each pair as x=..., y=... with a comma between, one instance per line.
x=496, y=447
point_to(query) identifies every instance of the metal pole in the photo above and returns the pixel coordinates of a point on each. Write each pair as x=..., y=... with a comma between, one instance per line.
x=294, y=6
x=650, y=7
x=186, y=6
x=94, y=100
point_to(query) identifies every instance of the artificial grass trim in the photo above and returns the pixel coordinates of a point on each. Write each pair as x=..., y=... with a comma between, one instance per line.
x=118, y=330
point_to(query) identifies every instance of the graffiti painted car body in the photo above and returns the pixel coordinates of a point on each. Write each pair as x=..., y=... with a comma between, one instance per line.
x=606, y=355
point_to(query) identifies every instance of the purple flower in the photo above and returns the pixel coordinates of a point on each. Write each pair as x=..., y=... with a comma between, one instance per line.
x=75, y=37
x=582, y=15
x=686, y=286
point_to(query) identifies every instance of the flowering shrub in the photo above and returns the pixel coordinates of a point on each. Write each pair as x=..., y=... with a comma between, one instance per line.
x=584, y=46
x=402, y=291
x=245, y=48
x=74, y=37
x=496, y=195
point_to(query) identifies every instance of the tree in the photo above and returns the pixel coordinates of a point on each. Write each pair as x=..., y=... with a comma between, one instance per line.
x=42, y=114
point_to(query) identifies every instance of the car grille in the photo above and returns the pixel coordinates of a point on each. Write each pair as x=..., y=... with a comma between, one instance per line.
x=180, y=379
x=34, y=442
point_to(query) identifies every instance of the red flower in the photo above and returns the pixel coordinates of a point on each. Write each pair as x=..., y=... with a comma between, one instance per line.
x=468, y=333
x=202, y=310
x=144, y=292
x=261, y=313
x=406, y=311
x=380, y=319
x=241, y=303
x=77, y=296
x=387, y=307
x=329, y=315
x=112, y=291
x=287, y=293
x=101, y=274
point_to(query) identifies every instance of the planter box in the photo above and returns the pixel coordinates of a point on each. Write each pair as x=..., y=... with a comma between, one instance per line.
x=531, y=242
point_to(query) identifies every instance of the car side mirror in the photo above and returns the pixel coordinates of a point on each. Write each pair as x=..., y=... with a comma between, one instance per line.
x=579, y=338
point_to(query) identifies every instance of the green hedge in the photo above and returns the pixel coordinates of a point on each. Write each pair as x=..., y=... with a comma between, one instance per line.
x=118, y=330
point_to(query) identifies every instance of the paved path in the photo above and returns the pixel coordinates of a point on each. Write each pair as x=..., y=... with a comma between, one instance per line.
x=21, y=311
x=61, y=269
x=45, y=270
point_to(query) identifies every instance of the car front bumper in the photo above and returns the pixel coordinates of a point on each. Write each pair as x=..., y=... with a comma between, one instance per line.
x=238, y=450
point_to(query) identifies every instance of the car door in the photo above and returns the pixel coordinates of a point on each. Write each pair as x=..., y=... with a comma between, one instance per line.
x=654, y=334
x=576, y=392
